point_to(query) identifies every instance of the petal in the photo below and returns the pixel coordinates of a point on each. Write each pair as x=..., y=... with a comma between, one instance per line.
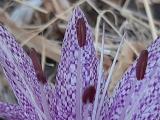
x=14, y=112
x=135, y=99
x=50, y=97
x=77, y=68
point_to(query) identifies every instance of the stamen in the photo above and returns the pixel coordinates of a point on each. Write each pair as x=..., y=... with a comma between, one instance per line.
x=79, y=88
x=37, y=66
x=89, y=94
x=141, y=65
x=81, y=32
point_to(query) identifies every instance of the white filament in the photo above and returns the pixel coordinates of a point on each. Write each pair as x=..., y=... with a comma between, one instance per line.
x=108, y=79
x=99, y=77
x=79, y=88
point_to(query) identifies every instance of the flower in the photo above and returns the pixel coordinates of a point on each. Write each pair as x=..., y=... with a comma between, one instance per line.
x=73, y=96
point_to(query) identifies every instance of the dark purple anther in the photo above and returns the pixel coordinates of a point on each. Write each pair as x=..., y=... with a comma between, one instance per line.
x=37, y=66
x=89, y=94
x=141, y=65
x=81, y=32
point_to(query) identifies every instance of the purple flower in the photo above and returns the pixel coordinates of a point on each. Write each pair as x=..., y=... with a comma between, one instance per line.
x=72, y=98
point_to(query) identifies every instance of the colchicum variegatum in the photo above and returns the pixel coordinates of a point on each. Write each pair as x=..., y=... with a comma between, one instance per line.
x=136, y=97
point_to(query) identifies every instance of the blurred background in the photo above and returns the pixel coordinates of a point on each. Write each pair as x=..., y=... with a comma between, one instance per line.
x=41, y=24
